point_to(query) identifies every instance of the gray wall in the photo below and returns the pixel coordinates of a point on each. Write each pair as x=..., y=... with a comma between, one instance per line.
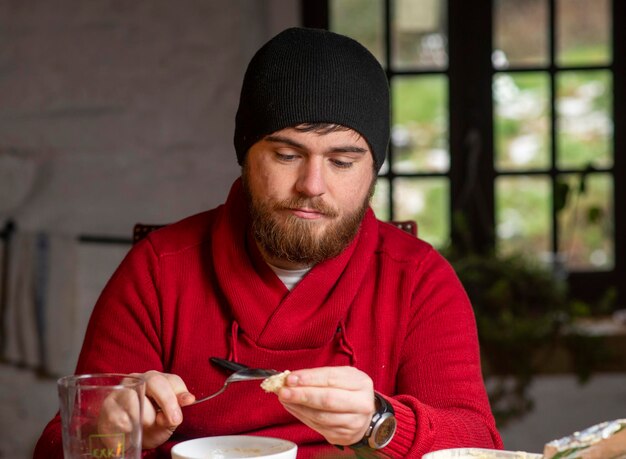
x=117, y=111
x=114, y=112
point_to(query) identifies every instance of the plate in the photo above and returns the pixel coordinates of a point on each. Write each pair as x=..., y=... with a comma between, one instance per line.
x=479, y=453
x=235, y=447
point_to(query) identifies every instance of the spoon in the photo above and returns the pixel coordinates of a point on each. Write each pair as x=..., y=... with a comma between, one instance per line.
x=246, y=374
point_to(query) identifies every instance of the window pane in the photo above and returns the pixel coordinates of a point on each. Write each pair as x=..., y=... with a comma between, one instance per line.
x=523, y=215
x=522, y=123
x=420, y=124
x=586, y=223
x=380, y=200
x=361, y=20
x=419, y=34
x=425, y=200
x=583, y=32
x=585, y=126
x=520, y=33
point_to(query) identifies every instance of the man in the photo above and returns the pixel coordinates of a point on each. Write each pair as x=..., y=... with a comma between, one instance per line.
x=295, y=272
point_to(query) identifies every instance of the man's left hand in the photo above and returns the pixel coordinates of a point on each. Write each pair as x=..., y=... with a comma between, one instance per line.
x=337, y=402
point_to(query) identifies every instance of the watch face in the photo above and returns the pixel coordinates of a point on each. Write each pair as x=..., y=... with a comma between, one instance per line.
x=385, y=431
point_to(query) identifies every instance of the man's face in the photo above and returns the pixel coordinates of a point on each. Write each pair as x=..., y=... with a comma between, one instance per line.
x=308, y=192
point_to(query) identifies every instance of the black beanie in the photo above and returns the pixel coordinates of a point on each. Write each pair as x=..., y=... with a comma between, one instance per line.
x=313, y=76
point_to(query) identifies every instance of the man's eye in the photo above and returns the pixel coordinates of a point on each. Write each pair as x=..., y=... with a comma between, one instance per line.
x=285, y=156
x=342, y=164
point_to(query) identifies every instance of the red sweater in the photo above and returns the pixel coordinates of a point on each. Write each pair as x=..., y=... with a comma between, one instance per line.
x=389, y=305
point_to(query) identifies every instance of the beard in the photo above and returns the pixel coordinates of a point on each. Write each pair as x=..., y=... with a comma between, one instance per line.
x=286, y=237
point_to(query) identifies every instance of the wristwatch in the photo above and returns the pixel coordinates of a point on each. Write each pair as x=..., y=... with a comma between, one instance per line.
x=381, y=428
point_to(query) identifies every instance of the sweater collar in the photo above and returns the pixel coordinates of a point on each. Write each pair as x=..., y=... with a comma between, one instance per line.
x=270, y=315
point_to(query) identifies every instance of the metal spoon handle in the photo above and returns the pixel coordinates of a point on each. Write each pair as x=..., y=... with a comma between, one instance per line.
x=210, y=396
x=247, y=374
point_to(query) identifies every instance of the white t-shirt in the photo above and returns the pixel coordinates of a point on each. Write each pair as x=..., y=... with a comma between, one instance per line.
x=290, y=277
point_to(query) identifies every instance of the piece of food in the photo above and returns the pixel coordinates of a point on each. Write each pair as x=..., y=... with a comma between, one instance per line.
x=614, y=447
x=480, y=453
x=275, y=382
x=606, y=440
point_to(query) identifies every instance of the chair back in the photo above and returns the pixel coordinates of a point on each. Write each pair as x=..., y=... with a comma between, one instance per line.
x=141, y=230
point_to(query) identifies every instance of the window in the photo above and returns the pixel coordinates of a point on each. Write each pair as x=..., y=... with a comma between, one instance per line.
x=412, y=47
x=507, y=123
x=553, y=130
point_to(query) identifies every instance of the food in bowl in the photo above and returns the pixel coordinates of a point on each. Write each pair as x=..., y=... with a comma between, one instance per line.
x=275, y=382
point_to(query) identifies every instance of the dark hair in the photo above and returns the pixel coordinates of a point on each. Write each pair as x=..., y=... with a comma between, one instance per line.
x=321, y=128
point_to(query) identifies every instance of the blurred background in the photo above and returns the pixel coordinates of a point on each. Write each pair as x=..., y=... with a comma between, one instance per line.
x=508, y=149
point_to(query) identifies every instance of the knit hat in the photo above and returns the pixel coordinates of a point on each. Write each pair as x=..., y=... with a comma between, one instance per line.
x=313, y=76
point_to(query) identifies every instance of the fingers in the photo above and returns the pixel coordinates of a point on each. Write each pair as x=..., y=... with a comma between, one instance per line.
x=337, y=428
x=119, y=414
x=337, y=402
x=328, y=399
x=340, y=424
x=336, y=389
x=162, y=414
x=120, y=411
x=347, y=378
x=326, y=419
x=166, y=393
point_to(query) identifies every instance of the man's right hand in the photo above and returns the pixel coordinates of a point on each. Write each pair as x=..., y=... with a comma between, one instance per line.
x=165, y=395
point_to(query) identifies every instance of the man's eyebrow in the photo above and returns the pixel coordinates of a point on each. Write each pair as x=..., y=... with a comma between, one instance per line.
x=349, y=149
x=339, y=149
x=286, y=140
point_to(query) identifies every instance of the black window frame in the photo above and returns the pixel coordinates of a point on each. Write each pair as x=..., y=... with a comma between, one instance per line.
x=471, y=122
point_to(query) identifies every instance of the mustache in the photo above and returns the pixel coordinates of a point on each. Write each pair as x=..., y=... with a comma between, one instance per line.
x=316, y=204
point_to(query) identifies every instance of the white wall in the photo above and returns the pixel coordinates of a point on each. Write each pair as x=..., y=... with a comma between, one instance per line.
x=117, y=111
x=114, y=112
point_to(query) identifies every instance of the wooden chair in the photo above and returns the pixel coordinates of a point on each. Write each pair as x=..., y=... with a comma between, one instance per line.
x=141, y=230
x=410, y=226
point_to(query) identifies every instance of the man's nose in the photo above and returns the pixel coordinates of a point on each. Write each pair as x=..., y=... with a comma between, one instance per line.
x=311, y=181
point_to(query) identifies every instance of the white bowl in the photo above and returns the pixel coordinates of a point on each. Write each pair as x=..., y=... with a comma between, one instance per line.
x=479, y=453
x=235, y=447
